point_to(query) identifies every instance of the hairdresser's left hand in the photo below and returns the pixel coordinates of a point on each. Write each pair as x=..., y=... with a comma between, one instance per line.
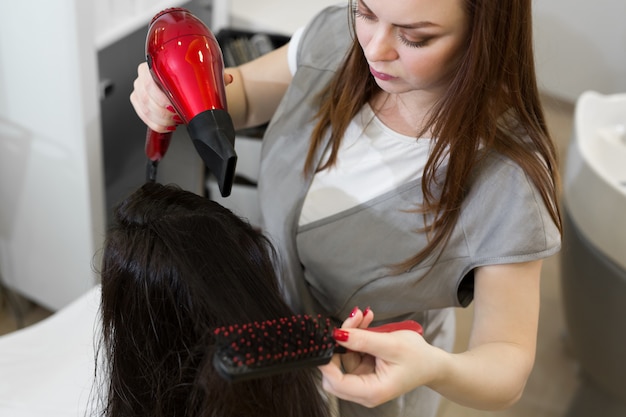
x=489, y=375
x=380, y=366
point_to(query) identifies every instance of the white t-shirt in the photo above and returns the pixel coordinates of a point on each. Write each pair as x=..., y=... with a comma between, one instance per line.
x=372, y=160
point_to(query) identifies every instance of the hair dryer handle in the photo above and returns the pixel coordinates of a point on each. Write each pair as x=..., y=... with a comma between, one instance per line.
x=156, y=146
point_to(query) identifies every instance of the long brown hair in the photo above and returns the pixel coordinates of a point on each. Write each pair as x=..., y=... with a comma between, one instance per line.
x=491, y=104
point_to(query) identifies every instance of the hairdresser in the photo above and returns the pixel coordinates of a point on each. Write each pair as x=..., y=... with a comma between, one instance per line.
x=407, y=169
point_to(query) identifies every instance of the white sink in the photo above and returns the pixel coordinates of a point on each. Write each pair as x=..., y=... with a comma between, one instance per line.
x=595, y=177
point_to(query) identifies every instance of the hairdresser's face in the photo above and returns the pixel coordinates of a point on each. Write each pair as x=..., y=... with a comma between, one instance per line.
x=411, y=45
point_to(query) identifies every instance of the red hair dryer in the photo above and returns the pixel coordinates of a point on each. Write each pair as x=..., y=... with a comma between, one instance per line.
x=186, y=62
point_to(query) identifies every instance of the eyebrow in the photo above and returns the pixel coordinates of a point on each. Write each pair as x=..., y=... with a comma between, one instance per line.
x=416, y=25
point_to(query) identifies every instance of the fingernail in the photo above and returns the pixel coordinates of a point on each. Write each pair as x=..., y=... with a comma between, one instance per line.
x=171, y=128
x=177, y=118
x=171, y=109
x=340, y=335
x=354, y=311
x=367, y=310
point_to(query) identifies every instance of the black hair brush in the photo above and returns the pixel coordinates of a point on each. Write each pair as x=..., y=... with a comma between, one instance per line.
x=265, y=348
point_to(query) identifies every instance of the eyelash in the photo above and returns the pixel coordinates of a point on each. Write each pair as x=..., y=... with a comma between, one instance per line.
x=360, y=15
x=412, y=44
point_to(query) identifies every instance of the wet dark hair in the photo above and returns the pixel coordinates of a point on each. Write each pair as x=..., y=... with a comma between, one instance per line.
x=175, y=266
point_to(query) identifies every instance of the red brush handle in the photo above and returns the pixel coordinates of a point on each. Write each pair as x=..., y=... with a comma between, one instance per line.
x=387, y=328
x=157, y=144
x=400, y=325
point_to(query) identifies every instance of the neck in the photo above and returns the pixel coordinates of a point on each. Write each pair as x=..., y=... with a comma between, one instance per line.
x=404, y=113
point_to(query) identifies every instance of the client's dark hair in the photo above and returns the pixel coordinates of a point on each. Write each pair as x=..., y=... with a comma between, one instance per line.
x=175, y=266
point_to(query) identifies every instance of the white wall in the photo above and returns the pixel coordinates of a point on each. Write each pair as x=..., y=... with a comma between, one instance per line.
x=115, y=19
x=284, y=16
x=51, y=200
x=580, y=45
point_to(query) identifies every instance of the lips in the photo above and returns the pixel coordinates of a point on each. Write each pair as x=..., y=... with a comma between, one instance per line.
x=381, y=75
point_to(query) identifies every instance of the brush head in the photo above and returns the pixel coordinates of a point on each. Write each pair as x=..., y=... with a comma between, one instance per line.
x=270, y=347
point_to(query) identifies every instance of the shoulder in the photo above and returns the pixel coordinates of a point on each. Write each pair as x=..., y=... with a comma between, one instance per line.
x=504, y=214
x=501, y=182
x=325, y=39
x=497, y=170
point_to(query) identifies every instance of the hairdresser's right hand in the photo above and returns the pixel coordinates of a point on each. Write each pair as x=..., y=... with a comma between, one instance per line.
x=152, y=105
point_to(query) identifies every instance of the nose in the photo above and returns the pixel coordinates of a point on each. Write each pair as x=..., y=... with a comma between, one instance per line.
x=381, y=46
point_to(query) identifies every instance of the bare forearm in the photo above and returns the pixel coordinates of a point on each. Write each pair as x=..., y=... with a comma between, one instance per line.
x=236, y=99
x=257, y=88
x=489, y=377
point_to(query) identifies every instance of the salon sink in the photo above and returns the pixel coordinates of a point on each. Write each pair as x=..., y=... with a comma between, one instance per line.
x=595, y=179
x=593, y=258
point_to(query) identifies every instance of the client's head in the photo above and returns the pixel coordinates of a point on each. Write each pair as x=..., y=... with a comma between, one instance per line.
x=175, y=266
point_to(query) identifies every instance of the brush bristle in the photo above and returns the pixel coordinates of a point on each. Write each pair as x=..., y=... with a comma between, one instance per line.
x=265, y=348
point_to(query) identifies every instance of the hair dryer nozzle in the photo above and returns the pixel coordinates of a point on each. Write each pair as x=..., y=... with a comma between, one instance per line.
x=213, y=135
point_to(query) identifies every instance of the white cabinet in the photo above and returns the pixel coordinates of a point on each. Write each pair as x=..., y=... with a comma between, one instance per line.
x=51, y=199
x=52, y=192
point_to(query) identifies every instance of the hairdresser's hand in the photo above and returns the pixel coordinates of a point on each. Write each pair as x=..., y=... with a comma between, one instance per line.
x=356, y=362
x=382, y=366
x=152, y=105
x=489, y=375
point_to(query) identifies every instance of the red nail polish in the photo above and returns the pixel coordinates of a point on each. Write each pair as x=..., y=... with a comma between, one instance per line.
x=177, y=118
x=171, y=109
x=366, y=311
x=171, y=128
x=340, y=335
x=354, y=311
